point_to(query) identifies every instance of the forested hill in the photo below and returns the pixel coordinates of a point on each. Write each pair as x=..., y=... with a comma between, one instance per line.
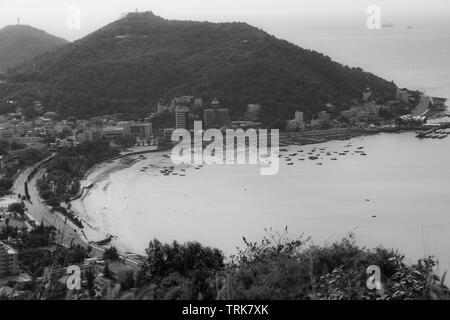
x=133, y=62
x=19, y=43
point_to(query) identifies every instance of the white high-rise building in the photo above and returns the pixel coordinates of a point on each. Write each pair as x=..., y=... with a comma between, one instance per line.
x=182, y=117
x=9, y=260
x=297, y=123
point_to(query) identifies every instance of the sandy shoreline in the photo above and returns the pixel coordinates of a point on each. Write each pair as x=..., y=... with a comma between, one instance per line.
x=98, y=175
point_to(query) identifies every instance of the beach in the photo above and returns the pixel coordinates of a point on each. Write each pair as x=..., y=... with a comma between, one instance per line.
x=396, y=196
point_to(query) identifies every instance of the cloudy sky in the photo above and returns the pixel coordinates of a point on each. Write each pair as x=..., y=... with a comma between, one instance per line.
x=275, y=16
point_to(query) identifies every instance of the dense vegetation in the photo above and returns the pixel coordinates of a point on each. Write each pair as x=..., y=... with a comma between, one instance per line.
x=281, y=268
x=130, y=64
x=35, y=249
x=19, y=43
x=10, y=166
x=275, y=268
x=62, y=178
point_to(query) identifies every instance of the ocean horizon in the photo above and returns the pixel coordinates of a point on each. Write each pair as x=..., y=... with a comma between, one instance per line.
x=413, y=55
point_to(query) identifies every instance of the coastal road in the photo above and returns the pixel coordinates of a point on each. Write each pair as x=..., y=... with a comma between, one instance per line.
x=36, y=210
x=422, y=107
x=68, y=233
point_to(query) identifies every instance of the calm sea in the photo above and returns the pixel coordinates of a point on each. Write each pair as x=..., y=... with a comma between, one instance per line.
x=417, y=58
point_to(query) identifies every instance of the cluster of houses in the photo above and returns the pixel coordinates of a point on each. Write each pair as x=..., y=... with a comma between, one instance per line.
x=47, y=132
x=299, y=124
x=367, y=111
x=105, y=274
x=187, y=109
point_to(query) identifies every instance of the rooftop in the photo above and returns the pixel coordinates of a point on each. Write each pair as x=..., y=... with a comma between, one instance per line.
x=8, y=248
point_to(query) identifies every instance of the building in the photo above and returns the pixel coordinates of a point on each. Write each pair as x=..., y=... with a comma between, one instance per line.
x=182, y=117
x=291, y=125
x=366, y=113
x=27, y=140
x=316, y=123
x=402, y=95
x=162, y=108
x=102, y=284
x=297, y=123
x=183, y=101
x=6, y=133
x=324, y=116
x=413, y=121
x=50, y=115
x=366, y=95
x=215, y=104
x=209, y=118
x=223, y=118
x=89, y=135
x=253, y=112
x=112, y=133
x=9, y=260
x=126, y=125
x=438, y=104
x=198, y=103
x=141, y=130
x=137, y=130
x=216, y=117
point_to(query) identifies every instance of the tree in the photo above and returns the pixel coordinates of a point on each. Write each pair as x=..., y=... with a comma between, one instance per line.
x=111, y=254
x=18, y=208
x=68, y=256
x=190, y=262
x=30, y=112
x=41, y=236
x=5, y=185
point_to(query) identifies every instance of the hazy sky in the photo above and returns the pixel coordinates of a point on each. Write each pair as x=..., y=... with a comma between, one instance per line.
x=275, y=16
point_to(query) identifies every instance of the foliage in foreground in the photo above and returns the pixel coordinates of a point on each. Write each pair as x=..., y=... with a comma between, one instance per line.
x=277, y=268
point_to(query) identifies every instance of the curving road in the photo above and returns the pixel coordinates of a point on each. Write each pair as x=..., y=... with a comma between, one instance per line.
x=38, y=212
